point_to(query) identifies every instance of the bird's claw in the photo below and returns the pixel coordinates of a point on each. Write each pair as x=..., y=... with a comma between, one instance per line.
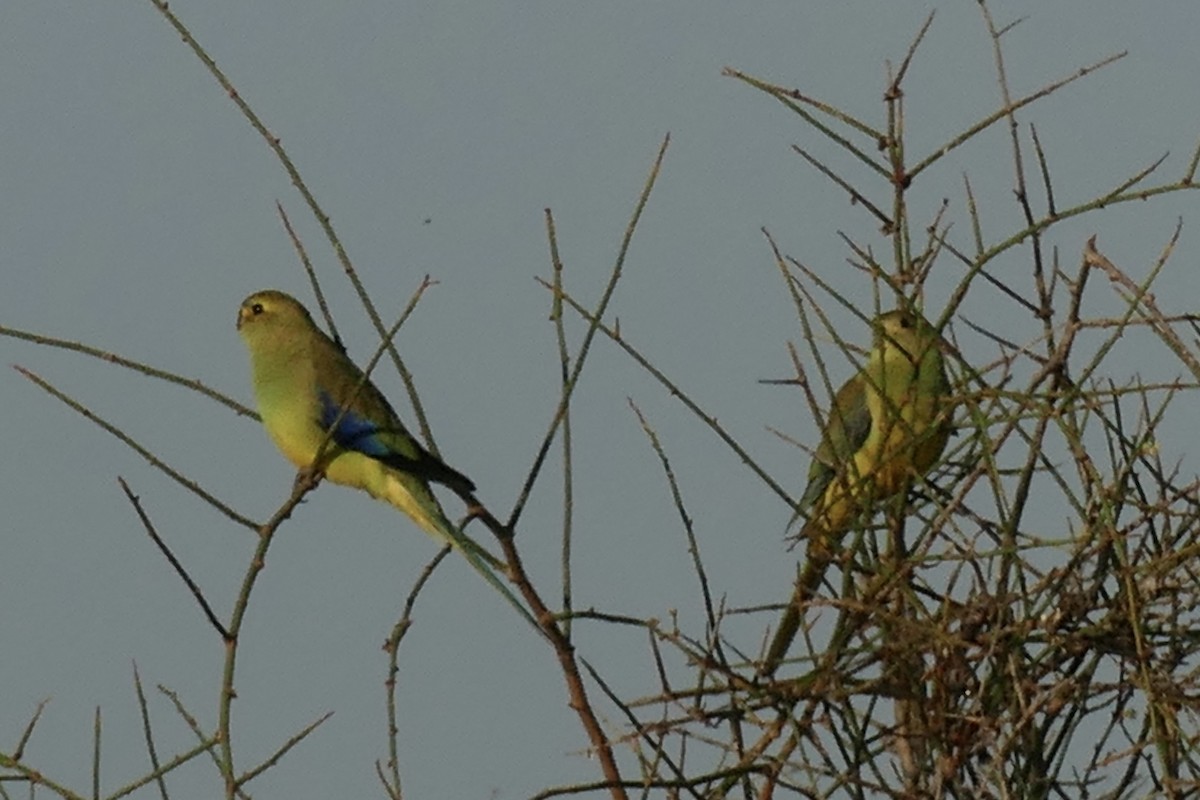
x=308, y=478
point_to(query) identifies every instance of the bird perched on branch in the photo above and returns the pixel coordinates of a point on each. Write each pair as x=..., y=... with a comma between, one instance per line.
x=887, y=427
x=324, y=414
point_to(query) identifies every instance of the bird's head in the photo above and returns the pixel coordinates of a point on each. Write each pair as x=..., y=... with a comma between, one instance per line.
x=270, y=310
x=907, y=331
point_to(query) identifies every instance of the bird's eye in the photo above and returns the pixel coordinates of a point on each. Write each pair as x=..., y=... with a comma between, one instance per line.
x=906, y=321
x=257, y=309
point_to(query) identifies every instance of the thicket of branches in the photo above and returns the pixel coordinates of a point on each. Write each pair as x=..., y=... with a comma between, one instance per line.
x=962, y=646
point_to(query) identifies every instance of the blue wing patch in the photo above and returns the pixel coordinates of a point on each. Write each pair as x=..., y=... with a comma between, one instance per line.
x=356, y=432
x=353, y=432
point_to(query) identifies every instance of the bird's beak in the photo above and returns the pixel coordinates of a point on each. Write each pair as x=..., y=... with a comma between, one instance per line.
x=243, y=312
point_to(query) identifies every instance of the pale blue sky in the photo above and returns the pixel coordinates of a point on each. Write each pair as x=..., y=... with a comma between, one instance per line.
x=138, y=209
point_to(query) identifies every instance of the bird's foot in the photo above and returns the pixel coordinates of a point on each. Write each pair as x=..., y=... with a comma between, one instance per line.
x=308, y=478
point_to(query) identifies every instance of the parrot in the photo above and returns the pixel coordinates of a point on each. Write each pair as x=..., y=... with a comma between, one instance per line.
x=314, y=401
x=887, y=427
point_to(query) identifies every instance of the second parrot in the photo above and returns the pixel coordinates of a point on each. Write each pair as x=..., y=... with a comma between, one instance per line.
x=887, y=427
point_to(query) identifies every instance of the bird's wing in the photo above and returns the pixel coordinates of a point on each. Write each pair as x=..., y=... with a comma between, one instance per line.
x=846, y=429
x=370, y=426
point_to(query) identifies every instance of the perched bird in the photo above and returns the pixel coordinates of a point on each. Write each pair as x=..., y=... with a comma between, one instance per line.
x=888, y=426
x=315, y=402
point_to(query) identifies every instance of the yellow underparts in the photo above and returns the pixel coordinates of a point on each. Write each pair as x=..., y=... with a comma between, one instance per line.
x=384, y=483
x=895, y=453
x=348, y=468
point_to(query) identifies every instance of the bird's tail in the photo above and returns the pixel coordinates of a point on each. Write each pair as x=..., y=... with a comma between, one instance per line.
x=422, y=507
x=808, y=578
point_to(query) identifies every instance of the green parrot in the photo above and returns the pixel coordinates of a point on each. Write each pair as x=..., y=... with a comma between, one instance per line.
x=310, y=394
x=888, y=426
